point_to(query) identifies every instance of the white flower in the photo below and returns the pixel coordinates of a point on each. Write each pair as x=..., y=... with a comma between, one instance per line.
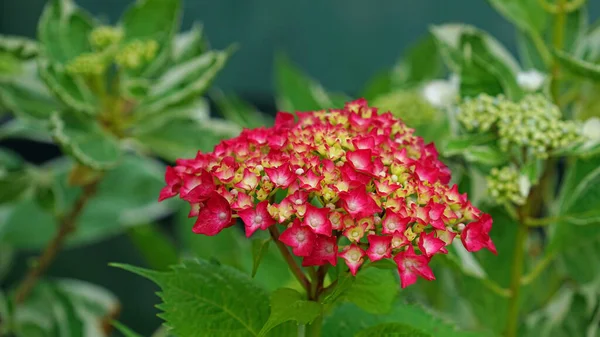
x=441, y=93
x=530, y=80
x=591, y=128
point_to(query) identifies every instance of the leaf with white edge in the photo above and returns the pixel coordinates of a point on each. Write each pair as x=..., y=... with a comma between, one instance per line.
x=68, y=89
x=348, y=320
x=189, y=44
x=85, y=140
x=577, y=66
x=182, y=82
x=480, y=60
x=392, y=330
x=260, y=247
x=374, y=290
x=127, y=332
x=183, y=137
x=197, y=110
x=26, y=128
x=18, y=46
x=156, y=20
x=289, y=305
x=64, y=30
x=201, y=299
x=295, y=91
x=26, y=96
x=126, y=197
x=462, y=144
x=420, y=63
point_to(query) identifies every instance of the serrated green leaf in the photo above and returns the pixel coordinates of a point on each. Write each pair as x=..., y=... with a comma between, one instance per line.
x=127, y=332
x=155, y=246
x=26, y=96
x=126, y=197
x=63, y=30
x=374, y=290
x=70, y=90
x=156, y=20
x=295, y=91
x=20, y=47
x=348, y=319
x=189, y=44
x=289, y=305
x=392, y=330
x=85, y=140
x=481, y=61
x=242, y=113
x=182, y=82
x=577, y=66
x=260, y=247
x=200, y=299
x=183, y=137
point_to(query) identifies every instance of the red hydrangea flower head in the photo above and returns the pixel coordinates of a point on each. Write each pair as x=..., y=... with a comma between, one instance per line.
x=351, y=183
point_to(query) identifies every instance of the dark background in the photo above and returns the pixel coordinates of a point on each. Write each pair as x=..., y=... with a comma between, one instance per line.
x=340, y=43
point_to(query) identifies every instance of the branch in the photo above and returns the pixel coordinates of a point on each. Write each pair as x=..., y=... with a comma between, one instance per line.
x=294, y=267
x=67, y=225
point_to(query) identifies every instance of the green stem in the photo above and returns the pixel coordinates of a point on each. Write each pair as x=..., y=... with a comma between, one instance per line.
x=512, y=323
x=314, y=329
x=294, y=267
x=537, y=270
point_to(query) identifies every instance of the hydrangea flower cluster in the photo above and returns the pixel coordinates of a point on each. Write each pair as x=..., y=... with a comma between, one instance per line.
x=345, y=183
x=503, y=185
x=533, y=123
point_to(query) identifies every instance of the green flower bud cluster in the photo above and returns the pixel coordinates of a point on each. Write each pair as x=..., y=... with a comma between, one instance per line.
x=533, y=123
x=536, y=125
x=87, y=64
x=105, y=36
x=410, y=106
x=503, y=185
x=136, y=53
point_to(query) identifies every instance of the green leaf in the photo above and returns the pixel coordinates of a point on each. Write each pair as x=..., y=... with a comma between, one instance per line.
x=70, y=90
x=63, y=30
x=236, y=110
x=481, y=61
x=378, y=84
x=420, y=63
x=348, y=320
x=20, y=47
x=374, y=290
x=127, y=332
x=65, y=308
x=155, y=246
x=200, y=299
x=489, y=155
x=532, y=170
x=25, y=128
x=126, y=197
x=289, y=305
x=577, y=66
x=580, y=198
x=295, y=91
x=16, y=181
x=260, y=247
x=459, y=145
x=392, y=330
x=182, y=82
x=529, y=55
x=527, y=15
x=26, y=96
x=189, y=44
x=184, y=137
x=588, y=47
x=7, y=253
x=85, y=140
x=156, y=20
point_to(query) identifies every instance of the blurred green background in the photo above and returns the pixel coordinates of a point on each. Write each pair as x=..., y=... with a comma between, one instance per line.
x=340, y=43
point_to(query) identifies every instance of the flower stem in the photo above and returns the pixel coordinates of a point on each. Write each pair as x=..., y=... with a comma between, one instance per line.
x=67, y=225
x=314, y=329
x=294, y=267
x=515, y=281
